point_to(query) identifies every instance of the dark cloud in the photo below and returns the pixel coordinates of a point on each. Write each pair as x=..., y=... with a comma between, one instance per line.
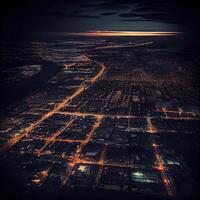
x=108, y=13
x=171, y=11
x=72, y=14
x=135, y=20
x=83, y=16
x=107, y=5
x=156, y=16
x=129, y=14
x=149, y=9
x=77, y=11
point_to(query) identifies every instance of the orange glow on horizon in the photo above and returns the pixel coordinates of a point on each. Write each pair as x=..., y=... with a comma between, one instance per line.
x=126, y=33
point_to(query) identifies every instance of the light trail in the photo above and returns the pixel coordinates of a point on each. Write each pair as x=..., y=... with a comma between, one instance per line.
x=162, y=169
x=159, y=160
x=91, y=133
x=124, y=45
x=166, y=179
x=84, y=114
x=76, y=158
x=67, y=176
x=81, y=114
x=52, y=138
x=67, y=140
x=102, y=162
x=151, y=127
x=102, y=159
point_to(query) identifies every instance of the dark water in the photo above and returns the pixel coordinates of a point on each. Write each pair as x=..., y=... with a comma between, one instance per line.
x=15, y=53
x=15, y=91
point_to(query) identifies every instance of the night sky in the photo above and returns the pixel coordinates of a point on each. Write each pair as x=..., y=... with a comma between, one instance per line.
x=93, y=15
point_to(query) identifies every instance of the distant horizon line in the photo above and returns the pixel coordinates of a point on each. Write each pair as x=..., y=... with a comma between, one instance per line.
x=125, y=33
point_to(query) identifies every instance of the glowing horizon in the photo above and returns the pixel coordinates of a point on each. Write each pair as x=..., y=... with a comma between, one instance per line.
x=125, y=33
